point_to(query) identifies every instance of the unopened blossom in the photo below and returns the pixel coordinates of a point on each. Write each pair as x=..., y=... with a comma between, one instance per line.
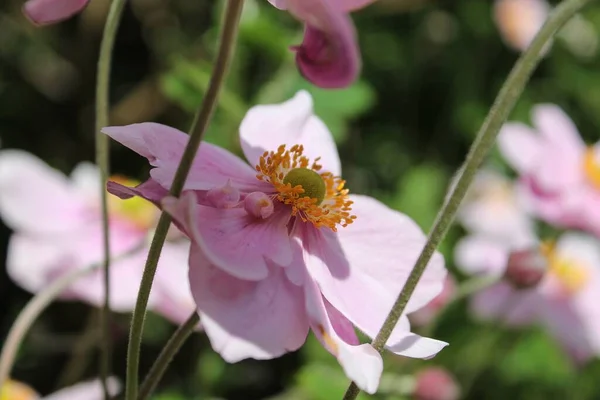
x=328, y=56
x=430, y=311
x=91, y=390
x=435, y=383
x=559, y=173
x=57, y=224
x=298, y=252
x=565, y=300
x=520, y=20
x=45, y=12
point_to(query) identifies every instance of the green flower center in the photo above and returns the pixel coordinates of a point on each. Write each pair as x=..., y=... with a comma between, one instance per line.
x=311, y=182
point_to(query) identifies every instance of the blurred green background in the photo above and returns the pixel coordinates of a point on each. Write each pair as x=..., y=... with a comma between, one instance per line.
x=431, y=70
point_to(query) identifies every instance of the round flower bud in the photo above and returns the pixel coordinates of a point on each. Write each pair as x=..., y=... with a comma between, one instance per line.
x=526, y=268
x=259, y=205
x=224, y=197
x=435, y=383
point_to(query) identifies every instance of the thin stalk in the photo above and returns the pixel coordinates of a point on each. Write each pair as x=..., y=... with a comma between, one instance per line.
x=103, y=161
x=200, y=123
x=503, y=105
x=29, y=315
x=166, y=356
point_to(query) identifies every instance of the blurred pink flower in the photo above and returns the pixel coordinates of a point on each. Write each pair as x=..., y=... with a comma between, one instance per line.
x=265, y=270
x=45, y=12
x=328, y=56
x=91, y=390
x=430, y=311
x=436, y=384
x=520, y=20
x=57, y=229
x=559, y=174
x=565, y=301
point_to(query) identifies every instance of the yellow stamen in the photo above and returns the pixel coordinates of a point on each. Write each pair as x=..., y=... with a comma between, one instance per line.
x=329, y=342
x=329, y=211
x=13, y=390
x=591, y=166
x=136, y=210
x=572, y=273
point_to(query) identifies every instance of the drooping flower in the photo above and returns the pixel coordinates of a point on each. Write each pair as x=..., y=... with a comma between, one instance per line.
x=520, y=20
x=296, y=251
x=45, y=12
x=559, y=174
x=91, y=390
x=328, y=56
x=58, y=228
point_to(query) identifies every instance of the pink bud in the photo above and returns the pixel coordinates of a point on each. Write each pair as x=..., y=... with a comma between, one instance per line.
x=258, y=205
x=526, y=268
x=435, y=383
x=224, y=197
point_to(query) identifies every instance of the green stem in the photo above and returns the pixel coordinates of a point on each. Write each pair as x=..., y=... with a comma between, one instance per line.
x=103, y=161
x=508, y=96
x=201, y=119
x=166, y=356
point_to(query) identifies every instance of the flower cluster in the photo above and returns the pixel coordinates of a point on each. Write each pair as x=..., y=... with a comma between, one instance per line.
x=552, y=279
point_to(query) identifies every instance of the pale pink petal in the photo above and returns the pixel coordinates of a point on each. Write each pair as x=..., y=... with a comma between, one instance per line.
x=361, y=362
x=411, y=345
x=234, y=241
x=37, y=198
x=342, y=5
x=266, y=127
x=521, y=146
x=43, y=12
x=557, y=128
x=86, y=179
x=478, y=254
x=512, y=306
x=91, y=390
x=373, y=257
x=163, y=147
x=328, y=56
x=245, y=319
x=172, y=284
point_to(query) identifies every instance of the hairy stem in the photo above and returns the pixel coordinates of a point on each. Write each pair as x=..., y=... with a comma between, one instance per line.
x=503, y=105
x=200, y=123
x=103, y=161
x=166, y=356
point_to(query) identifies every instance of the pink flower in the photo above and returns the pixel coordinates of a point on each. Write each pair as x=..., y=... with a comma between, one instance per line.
x=297, y=251
x=520, y=20
x=430, y=311
x=559, y=174
x=565, y=301
x=328, y=56
x=436, y=384
x=45, y=12
x=57, y=229
x=91, y=390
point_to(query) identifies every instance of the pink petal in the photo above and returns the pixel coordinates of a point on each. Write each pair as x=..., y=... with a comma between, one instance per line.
x=361, y=362
x=328, y=56
x=37, y=198
x=411, y=345
x=149, y=190
x=163, y=146
x=502, y=302
x=234, y=241
x=342, y=5
x=521, y=146
x=245, y=319
x=43, y=12
x=266, y=127
x=478, y=254
x=86, y=179
x=91, y=390
x=373, y=257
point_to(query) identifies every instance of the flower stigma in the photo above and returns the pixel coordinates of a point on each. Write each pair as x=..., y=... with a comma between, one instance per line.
x=314, y=196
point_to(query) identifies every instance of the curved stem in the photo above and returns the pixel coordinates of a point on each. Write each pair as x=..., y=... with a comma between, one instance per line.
x=30, y=313
x=505, y=101
x=103, y=161
x=201, y=119
x=166, y=356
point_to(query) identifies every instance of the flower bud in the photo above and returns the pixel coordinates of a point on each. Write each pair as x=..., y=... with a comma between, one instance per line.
x=435, y=383
x=259, y=205
x=223, y=197
x=526, y=268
